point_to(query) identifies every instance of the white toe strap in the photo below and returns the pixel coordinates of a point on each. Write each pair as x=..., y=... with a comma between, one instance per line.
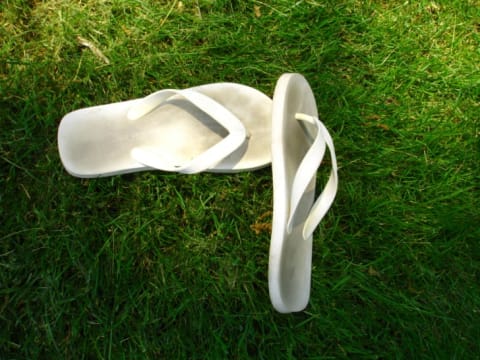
x=206, y=160
x=306, y=172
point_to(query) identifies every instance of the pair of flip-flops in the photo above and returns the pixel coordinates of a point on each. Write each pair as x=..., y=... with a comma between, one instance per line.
x=221, y=127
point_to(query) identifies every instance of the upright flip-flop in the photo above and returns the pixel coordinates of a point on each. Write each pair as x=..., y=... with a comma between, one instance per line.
x=221, y=127
x=299, y=141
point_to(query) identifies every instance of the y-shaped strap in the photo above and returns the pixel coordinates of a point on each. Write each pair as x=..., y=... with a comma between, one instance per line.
x=206, y=160
x=307, y=171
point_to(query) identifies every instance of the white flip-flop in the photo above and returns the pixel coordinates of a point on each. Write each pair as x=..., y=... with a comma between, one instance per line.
x=220, y=127
x=299, y=141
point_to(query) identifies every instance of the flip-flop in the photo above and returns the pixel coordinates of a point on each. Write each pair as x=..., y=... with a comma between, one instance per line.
x=220, y=127
x=299, y=141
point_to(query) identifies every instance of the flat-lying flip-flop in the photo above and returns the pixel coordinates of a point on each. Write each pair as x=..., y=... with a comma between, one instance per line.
x=299, y=141
x=221, y=127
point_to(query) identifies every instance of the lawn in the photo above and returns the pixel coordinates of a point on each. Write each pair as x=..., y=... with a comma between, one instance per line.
x=161, y=265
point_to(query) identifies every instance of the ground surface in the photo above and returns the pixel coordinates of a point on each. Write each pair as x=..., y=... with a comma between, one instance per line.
x=156, y=265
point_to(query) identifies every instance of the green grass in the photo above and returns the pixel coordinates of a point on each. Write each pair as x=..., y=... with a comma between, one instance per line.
x=156, y=265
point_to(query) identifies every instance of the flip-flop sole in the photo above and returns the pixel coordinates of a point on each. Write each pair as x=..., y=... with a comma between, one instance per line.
x=290, y=255
x=97, y=141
